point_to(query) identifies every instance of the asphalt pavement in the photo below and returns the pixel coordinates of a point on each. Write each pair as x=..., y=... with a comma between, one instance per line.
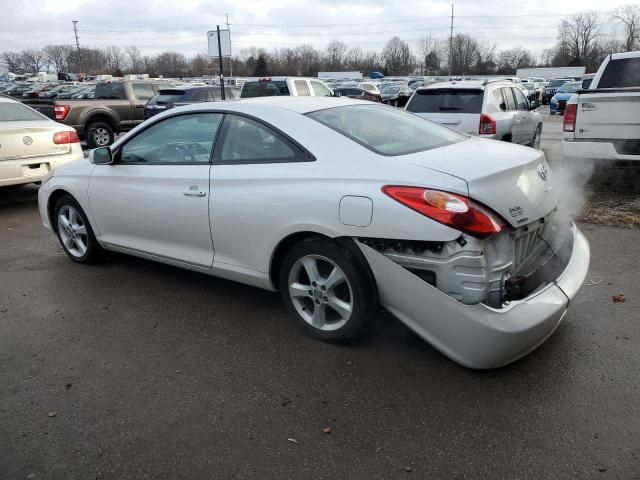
x=133, y=369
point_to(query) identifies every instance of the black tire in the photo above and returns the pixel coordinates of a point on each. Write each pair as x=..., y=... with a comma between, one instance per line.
x=358, y=285
x=94, y=252
x=99, y=134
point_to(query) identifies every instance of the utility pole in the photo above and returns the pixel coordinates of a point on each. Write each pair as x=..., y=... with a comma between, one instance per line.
x=230, y=56
x=451, y=41
x=75, y=31
x=220, y=63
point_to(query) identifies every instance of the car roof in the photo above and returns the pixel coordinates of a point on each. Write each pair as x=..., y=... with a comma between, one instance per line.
x=301, y=105
x=475, y=84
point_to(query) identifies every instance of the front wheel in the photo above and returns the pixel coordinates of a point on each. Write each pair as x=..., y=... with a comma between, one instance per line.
x=326, y=290
x=74, y=232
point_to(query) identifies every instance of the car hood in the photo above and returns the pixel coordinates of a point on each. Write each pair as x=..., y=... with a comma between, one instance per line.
x=506, y=178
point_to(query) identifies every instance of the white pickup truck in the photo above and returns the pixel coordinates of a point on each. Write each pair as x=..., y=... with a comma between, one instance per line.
x=603, y=121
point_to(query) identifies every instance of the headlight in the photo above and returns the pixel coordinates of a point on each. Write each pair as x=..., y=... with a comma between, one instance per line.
x=554, y=101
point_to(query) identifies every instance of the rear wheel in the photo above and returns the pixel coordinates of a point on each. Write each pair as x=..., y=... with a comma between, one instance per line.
x=99, y=134
x=74, y=232
x=326, y=290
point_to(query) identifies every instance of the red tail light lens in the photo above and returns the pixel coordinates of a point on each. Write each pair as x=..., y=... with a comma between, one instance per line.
x=487, y=125
x=61, y=111
x=570, y=114
x=64, y=138
x=455, y=211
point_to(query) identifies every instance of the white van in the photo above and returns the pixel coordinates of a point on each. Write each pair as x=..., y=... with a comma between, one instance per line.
x=289, y=86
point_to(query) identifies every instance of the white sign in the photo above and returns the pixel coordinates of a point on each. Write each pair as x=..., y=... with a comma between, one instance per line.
x=225, y=43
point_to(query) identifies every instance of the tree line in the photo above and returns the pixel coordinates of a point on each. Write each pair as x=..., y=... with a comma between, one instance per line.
x=581, y=41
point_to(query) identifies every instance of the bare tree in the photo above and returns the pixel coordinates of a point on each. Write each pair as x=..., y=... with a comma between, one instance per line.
x=12, y=61
x=135, y=58
x=629, y=16
x=398, y=58
x=464, y=54
x=578, y=34
x=515, y=58
x=58, y=56
x=431, y=52
x=334, y=55
x=33, y=59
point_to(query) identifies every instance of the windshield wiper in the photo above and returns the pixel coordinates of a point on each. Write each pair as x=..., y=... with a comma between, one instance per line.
x=449, y=108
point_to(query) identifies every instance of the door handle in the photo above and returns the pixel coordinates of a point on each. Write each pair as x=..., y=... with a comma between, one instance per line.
x=139, y=106
x=194, y=191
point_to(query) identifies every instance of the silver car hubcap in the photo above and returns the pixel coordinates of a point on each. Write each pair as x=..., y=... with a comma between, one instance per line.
x=100, y=136
x=320, y=292
x=73, y=231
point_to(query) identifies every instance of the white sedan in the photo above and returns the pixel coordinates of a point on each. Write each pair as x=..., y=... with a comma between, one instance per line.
x=32, y=145
x=338, y=204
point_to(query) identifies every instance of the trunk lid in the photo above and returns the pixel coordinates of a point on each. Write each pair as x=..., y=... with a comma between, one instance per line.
x=30, y=140
x=468, y=123
x=506, y=178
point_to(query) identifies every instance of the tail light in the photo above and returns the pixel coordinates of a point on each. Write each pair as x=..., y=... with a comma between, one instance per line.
x=487, y=125
x=570, y=114
x=61, y=111
x=455, y=211
x=64, y=138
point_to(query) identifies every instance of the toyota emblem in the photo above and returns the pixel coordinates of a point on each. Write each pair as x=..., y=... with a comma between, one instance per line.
x=27, y=140
x=542, y=171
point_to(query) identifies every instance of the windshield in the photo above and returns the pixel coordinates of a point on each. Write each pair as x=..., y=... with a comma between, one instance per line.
x=16, y=112
x=110, y=91
x=390, y=89
x=386, y=130
x=556, y=83
x=264, y=88
x=459, y=100
x=570, y=87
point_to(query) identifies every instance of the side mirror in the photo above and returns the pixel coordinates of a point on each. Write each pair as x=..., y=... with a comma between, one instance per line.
x=534, y=104
x=503, y=107
x=101, y=156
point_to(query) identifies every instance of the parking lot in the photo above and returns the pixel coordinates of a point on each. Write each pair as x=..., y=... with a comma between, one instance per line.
x=133, y=369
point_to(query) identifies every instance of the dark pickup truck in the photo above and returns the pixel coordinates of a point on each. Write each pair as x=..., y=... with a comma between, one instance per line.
x=118, y=106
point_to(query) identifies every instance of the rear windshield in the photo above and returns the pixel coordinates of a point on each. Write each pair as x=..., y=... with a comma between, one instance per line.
x=16, y=112
x=446, y=100
x=570, y=87
x=264, y=88
x=110, y=91
x=621, y=73
x=167, y=96
x=386, y=130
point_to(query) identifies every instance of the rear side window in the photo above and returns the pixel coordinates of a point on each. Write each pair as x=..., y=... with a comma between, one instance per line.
x=143, y=91
x=440, y=100
x=508, y=97
x=496, y=102
x=621, y=73
x=17, y=112
x=110, y=91
x=264, y=88
x=319, y=90
x=302, y=88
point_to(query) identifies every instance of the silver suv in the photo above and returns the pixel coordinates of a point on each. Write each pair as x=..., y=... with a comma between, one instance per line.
x=495, y=109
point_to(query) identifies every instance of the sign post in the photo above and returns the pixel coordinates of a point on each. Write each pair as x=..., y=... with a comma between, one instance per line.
x=220, y=63
x=220, y=46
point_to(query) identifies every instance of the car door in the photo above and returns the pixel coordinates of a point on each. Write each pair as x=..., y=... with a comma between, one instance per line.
x=515, y=123
x=525, y=117
x=154, y=197
x=251, y=160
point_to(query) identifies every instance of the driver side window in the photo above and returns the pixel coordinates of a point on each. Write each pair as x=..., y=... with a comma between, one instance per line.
x=183, y=139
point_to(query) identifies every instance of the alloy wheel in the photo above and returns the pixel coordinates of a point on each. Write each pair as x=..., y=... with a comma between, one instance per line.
x=73, y=231
x=320, y=292
x=100, y=136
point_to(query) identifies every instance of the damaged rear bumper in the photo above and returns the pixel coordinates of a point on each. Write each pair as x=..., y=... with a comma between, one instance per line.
x=479, y=336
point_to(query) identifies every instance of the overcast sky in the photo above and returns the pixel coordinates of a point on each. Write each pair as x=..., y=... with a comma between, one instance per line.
x=181, y=25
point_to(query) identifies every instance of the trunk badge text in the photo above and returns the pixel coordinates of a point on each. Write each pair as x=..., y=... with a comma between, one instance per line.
x=542, y=172
x=27, y=140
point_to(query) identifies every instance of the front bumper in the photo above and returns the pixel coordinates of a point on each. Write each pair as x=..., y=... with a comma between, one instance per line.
x=29, y=170
x=478, y=336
